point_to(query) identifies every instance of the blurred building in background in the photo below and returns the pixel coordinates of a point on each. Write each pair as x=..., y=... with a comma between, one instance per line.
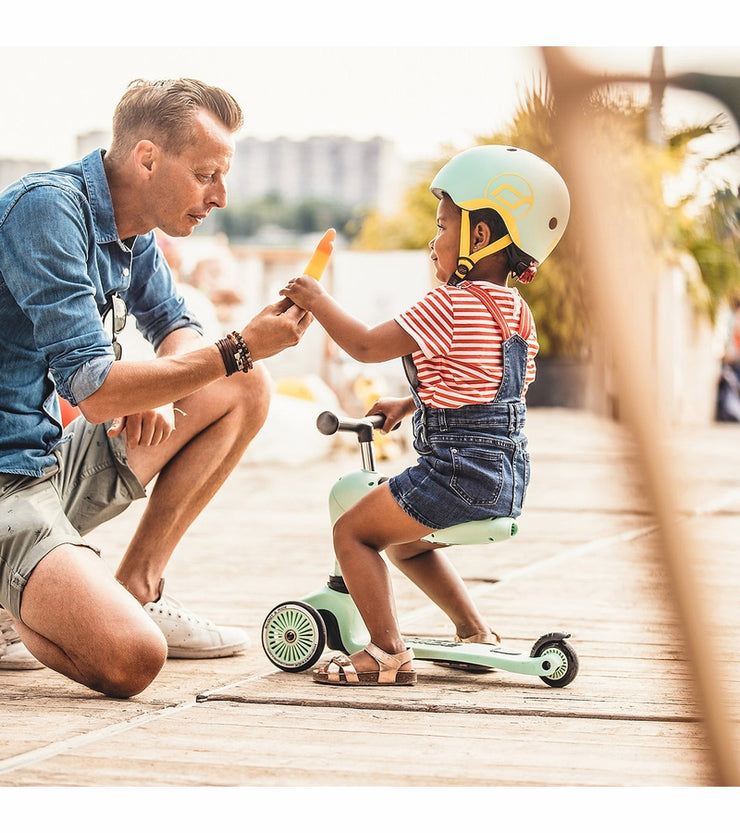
x=87, y=142
x=12, y=169
x=351, y=172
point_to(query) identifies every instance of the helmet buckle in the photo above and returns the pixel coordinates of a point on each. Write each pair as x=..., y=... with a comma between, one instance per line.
x=464, y=265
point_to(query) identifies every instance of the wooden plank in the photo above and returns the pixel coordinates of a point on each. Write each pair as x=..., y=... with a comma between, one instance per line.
x=266, y=745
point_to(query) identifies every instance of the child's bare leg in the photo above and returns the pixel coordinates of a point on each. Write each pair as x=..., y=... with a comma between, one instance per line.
x=433, y=573
x=360, y=535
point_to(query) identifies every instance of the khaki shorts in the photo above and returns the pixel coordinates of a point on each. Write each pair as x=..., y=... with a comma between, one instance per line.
x=91, y=484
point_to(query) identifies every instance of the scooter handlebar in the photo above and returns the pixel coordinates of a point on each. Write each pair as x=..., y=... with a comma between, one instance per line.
x=329, y=423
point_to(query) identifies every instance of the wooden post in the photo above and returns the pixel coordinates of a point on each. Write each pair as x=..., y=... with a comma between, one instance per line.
x=620, y=260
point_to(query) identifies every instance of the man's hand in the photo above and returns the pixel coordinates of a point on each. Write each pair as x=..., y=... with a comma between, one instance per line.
x=278, y=326
x=149, y=428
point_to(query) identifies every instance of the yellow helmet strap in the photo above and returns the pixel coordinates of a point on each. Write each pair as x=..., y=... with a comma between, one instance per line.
x=467, y=259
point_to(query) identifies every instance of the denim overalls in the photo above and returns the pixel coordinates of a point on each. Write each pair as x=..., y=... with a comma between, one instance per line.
x=474, y=462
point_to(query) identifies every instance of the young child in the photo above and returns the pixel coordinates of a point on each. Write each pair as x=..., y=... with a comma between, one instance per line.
x=468, y=349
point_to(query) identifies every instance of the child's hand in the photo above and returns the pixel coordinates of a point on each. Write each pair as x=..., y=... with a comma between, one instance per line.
x=394, y=409
x=303, y=291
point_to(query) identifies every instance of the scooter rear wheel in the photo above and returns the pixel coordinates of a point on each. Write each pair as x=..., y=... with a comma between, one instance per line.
x=293, y=636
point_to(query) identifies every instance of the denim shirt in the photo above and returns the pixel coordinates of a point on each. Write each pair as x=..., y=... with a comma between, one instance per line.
x=60, y=261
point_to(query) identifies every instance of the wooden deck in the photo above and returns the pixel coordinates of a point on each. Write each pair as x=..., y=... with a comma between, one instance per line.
x=586, y=560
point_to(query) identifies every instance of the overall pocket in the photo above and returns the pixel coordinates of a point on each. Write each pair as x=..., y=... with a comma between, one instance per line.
x=479, y=475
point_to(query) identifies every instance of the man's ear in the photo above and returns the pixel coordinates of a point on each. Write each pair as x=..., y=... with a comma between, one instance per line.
x=145, y=156
x=480, y=236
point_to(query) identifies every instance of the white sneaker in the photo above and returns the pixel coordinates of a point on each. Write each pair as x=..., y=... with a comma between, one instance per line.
x=190, y=636
x=14, y=656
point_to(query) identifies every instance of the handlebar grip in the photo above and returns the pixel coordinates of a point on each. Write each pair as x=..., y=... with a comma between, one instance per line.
x=329, y=423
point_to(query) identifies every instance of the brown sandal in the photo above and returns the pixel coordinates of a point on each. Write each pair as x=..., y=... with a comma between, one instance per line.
x=340, y=671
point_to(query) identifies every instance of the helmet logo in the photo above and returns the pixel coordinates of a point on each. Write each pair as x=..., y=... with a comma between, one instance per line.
x=512, y=194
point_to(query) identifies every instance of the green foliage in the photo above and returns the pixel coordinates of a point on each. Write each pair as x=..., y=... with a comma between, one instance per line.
x=714, y=241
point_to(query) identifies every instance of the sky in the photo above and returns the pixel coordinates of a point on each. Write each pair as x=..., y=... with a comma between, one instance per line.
x=427, y=75
x=361, y=91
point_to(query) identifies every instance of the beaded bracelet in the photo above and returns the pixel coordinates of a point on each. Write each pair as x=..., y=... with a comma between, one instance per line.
x=242, y=356
x=235, y=354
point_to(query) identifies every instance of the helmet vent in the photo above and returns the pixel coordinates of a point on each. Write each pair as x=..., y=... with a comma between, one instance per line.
x=553, y=222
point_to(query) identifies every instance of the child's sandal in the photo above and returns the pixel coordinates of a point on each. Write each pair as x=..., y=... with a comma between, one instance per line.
x=340, y=671
x=481, y=638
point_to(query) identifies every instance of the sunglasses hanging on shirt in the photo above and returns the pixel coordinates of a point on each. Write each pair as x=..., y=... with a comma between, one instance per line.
x=117, y=306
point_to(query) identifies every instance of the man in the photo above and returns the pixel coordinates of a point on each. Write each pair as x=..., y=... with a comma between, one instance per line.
x=76, y=245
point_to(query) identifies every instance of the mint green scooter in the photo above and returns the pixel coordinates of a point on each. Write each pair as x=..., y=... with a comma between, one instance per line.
x=295, y=633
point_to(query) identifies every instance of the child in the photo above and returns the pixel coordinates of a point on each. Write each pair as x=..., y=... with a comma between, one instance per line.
x=468, y=349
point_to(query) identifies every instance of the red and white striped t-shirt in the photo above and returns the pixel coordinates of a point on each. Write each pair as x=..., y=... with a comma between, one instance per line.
x=460, y=359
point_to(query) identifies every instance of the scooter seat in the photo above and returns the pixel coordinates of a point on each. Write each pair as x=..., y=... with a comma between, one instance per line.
x=475, y=532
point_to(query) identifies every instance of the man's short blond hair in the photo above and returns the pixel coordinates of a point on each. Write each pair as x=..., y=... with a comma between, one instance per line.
x=163, y=112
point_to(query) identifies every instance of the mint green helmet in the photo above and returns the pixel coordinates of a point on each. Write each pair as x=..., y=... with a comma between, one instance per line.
x=526, y=191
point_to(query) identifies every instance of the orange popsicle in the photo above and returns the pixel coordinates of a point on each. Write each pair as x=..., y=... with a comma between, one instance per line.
x=321, y=255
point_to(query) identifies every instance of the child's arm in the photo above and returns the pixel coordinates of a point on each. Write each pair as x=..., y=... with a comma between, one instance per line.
x=365, y=344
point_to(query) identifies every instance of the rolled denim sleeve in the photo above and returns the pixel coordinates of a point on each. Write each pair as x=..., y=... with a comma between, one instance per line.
x=85, y=380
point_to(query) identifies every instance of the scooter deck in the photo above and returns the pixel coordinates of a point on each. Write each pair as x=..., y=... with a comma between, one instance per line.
x=488, y=656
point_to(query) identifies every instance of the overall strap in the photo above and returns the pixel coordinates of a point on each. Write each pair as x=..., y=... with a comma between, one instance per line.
x=487, y=301
x=526, y=322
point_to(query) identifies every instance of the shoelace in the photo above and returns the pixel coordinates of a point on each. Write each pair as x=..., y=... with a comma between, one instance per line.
x=167, y=604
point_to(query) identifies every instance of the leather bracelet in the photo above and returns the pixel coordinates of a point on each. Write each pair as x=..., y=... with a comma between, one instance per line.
x=235, y=354
x=227, y=356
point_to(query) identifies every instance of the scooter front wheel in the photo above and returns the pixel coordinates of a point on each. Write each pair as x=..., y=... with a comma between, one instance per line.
x=566, y=668
x=293, y=636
